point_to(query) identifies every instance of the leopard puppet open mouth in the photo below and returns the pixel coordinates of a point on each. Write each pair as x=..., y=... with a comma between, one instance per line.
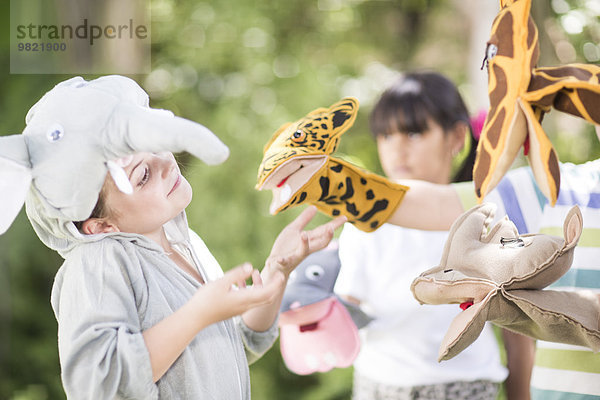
x=288, y=178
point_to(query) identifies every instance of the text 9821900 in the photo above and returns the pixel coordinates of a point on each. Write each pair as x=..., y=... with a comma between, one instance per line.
x=42, y=46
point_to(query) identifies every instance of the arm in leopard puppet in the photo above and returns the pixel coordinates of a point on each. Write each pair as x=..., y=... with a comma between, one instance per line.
x=298, y=168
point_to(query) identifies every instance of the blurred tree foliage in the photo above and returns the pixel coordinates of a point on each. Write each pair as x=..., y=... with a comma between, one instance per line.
x=242, y=69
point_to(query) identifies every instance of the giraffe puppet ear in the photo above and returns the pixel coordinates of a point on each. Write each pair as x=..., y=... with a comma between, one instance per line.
x=15, y=178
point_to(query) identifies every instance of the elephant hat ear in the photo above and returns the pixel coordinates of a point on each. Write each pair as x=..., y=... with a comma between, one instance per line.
x=15, y=178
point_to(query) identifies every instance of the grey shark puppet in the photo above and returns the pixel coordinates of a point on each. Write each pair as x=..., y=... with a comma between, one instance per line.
x=319, y=330
x=111, y=287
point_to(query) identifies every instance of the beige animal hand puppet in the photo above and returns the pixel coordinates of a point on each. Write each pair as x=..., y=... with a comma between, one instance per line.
x=298, y=169
x=520, y=94
x=499, y=276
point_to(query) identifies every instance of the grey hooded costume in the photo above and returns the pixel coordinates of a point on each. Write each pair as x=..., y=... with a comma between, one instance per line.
x=114, y=286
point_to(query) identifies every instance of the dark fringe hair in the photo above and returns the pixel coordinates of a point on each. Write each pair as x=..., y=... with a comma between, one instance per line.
x=416, y=97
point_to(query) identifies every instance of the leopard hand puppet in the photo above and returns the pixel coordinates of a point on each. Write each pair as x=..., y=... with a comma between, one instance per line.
x=520, y=94
x=498, y=275
x=298, y=169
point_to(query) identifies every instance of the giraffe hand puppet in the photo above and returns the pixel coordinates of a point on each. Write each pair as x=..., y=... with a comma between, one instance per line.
x=520, y=93
x=498, y=275
x=298, y=169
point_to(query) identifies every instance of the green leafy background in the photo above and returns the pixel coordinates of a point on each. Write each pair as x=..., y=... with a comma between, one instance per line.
x=244, y=68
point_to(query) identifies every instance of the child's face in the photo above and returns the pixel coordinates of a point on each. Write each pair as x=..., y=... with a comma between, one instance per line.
x=425, y=156
x=160, y=193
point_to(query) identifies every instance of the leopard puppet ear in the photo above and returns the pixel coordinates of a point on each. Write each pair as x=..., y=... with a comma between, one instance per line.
x=298, y=169
x=276, y=135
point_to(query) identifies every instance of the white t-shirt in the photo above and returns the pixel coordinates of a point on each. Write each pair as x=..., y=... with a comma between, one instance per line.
x=400, y=346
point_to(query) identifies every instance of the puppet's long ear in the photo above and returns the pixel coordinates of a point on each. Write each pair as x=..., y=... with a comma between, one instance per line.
x=15, y=178
x=134, y=129
x=573, y=227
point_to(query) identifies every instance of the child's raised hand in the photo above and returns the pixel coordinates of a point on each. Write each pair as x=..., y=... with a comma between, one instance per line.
x=294, y=243
x=229, y=296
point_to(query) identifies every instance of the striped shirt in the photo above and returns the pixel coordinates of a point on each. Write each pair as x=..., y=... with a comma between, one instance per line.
x=561, y=371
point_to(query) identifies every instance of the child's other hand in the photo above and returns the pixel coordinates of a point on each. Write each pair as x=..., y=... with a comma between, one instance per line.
x=230, y=296
x=293, y=243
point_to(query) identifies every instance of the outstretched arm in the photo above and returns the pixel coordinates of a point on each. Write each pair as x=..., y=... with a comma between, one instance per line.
x=292, y=245
x=427, y=206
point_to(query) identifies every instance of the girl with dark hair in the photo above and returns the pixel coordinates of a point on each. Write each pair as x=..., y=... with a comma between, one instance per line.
x=422, y=129
x=424, y=112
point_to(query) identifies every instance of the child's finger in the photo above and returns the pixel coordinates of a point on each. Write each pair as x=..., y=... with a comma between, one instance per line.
x=337, y=222
x=304, y=218
x=256, y=279
x=322, y=235
x=271, y=289
x=320, y=239
x=264, y=294
x=334, y=224
x=238, y=274
x=305, y=243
